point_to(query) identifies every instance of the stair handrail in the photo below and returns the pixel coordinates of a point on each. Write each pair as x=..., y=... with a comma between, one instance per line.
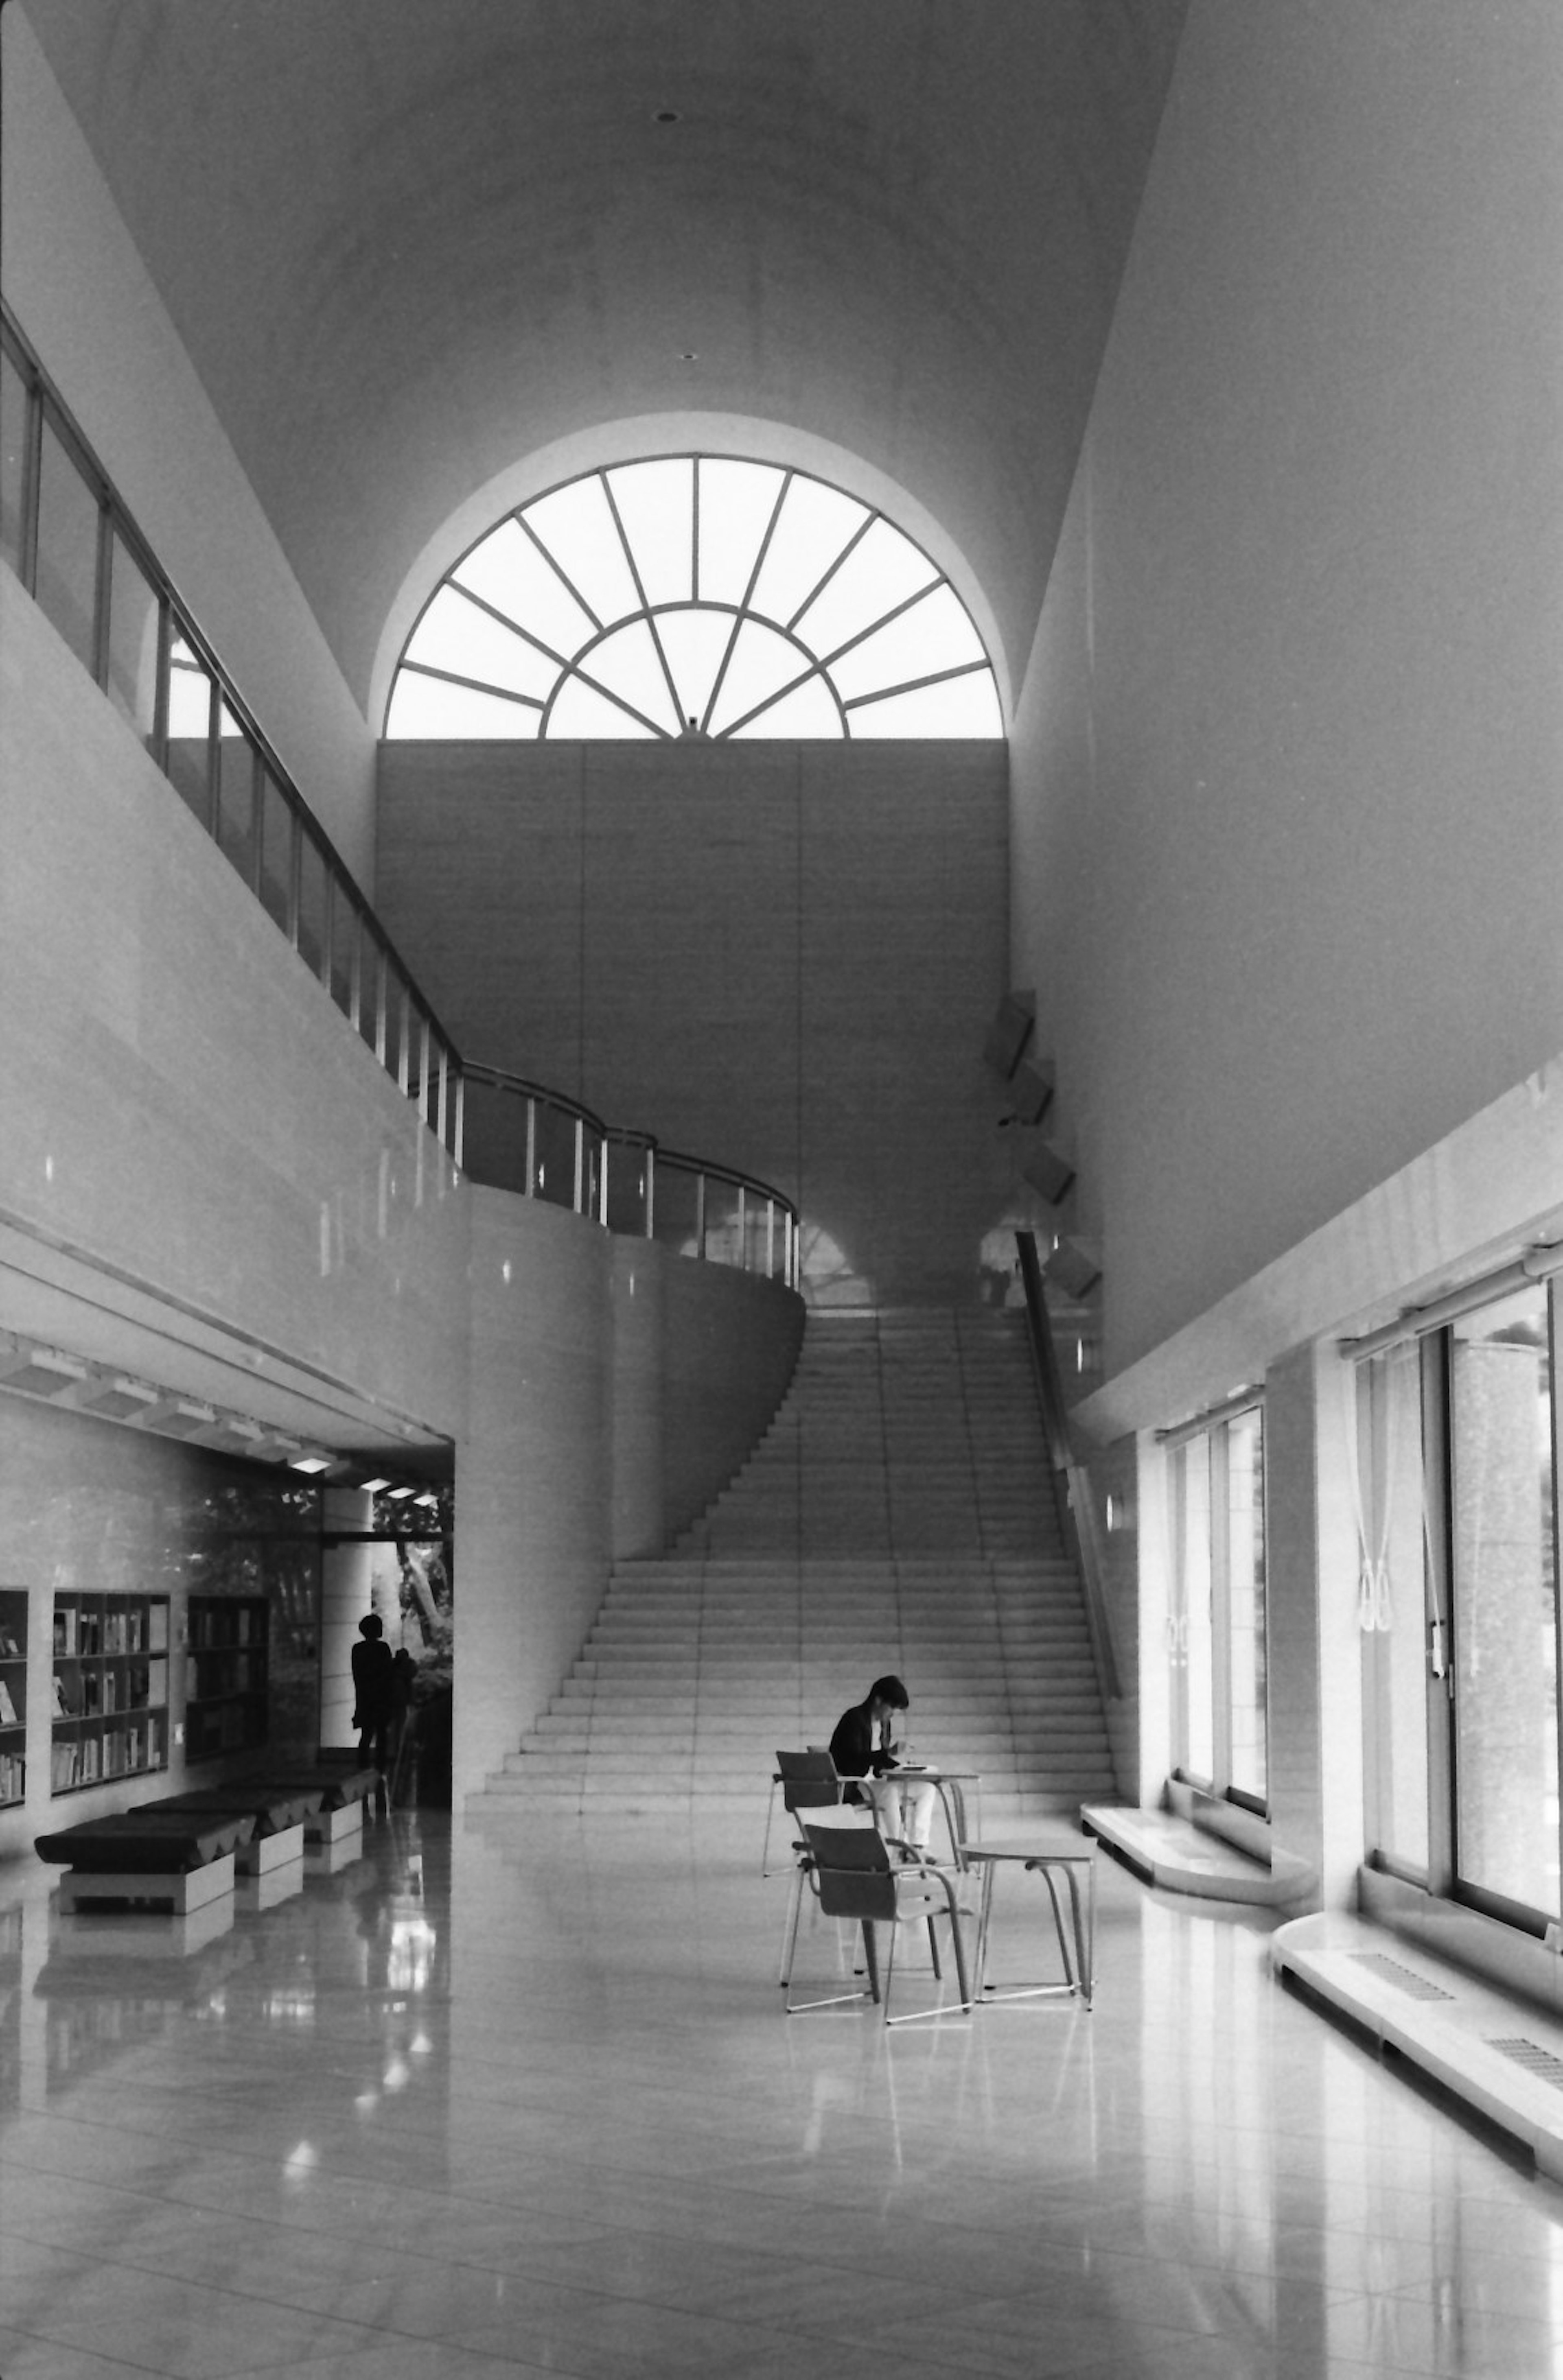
x=1076, y=1508
x=775, y=1234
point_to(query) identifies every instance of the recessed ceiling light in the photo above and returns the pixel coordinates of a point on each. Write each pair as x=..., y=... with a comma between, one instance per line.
x=689, y=355
x=667, y=115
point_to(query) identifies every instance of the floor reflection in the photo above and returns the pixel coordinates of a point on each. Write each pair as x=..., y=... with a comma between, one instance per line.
x=508, y=2100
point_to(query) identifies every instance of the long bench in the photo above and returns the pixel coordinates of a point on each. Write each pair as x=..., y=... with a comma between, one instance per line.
x=282, y=1814
x=181, y=1851
x=171, y=1859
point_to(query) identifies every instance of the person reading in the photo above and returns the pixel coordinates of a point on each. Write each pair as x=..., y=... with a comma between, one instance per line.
x=863, y=1750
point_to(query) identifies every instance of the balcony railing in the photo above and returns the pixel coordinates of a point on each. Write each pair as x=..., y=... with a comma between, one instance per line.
x=519, y=1135
x=79, y=555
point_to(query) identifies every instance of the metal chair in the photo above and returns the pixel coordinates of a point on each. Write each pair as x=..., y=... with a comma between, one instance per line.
x=806, y=1780
x=852, y=1871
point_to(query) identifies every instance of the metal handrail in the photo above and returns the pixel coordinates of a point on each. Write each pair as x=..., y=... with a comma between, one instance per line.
x=355, y=961
x=1077, y=1510
x=781, y=1226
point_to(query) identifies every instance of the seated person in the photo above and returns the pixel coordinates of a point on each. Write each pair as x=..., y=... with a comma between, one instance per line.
x=861, y=1748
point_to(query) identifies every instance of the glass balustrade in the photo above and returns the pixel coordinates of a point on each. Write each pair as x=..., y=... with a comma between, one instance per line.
x=520, y=1136
x=68, y=538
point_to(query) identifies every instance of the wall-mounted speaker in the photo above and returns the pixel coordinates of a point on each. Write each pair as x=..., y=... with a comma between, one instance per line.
x=1009, y=1032
x=1030, y=1090
x=1075, y=1267
x=1050, y=1172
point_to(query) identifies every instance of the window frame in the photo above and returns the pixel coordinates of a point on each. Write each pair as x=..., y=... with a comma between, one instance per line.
x=1210, y=1440
x=573, y=669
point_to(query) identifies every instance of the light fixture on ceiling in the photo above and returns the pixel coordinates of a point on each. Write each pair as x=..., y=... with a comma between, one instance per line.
x=310, y=1462
x=667, y=115
x=116, y=1397
x=173, y=1417
x=372, y=1487
x=397, y=1493
x=40, y=1371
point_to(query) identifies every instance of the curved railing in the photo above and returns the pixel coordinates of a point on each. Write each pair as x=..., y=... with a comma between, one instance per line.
x=79, y=555
x=519, y=1135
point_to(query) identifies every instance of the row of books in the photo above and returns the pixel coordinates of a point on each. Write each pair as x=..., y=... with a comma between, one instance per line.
x=83, y=1693
x=13, y=1777
x=119, y=1752
x=84, y=1631
x=9, y=1715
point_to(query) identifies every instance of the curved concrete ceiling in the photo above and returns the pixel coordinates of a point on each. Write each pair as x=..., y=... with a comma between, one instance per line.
x=408, y=243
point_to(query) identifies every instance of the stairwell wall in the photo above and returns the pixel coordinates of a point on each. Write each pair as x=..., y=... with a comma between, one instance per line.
x=615, y=1386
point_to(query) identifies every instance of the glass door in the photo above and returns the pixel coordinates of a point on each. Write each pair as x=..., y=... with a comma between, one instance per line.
x=1502, y=1537
x=1218, y=1635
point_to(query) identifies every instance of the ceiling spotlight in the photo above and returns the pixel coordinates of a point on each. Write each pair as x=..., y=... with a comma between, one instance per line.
x=689, y=355
x=667, y=115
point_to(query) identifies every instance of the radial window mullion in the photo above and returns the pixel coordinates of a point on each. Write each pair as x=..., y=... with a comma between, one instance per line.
x=824, y=581
x=539, y=644
x=619, y=701
x=640, y=585
x=849, y=644
x=816, y=669
x=911, y=685
x=474, y=685
x=557, y=568
x=742, y=613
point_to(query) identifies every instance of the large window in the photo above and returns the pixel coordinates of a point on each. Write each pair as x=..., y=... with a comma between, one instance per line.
x=1402, y=1659
x=1218, y=1635
x=1457, y=1435
x=697, y=596
x=1505, y=1585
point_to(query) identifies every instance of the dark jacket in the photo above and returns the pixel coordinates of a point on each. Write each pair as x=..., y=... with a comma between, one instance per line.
x=854, y=1751
x=373, y=1682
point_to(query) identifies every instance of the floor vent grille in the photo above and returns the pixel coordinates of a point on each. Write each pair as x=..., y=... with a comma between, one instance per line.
x=1531, y=2057
x=1404, y=1978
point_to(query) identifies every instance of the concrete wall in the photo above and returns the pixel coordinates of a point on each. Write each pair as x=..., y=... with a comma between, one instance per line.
x=782, y=956
x=205, y=1176
x=1288, y=840
x=194, y=1131
x=615, y=1386
x=728, y=1351
x=82, y=295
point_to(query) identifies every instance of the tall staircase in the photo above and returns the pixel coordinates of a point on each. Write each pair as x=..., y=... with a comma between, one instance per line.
x=898, y=1516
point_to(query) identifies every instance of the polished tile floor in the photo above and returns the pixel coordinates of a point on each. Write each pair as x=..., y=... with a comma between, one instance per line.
x=487, y=2102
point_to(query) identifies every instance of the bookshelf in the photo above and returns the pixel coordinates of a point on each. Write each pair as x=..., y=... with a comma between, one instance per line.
x=111, y=1689
x=227, y=1706
x=13, y=1695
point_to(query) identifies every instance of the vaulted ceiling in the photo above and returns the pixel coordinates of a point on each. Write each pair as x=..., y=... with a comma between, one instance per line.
x=407, y=243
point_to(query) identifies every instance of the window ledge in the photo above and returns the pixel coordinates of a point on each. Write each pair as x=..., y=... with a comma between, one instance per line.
x=1181, y=1855
x=1489, y=2043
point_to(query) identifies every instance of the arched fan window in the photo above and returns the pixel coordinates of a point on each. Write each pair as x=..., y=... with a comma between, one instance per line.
x=694, y=595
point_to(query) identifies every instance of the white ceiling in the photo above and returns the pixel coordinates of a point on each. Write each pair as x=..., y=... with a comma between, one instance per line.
x=408, y=243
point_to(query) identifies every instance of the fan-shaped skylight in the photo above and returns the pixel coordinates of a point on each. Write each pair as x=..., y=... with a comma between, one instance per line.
x=695, y=595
